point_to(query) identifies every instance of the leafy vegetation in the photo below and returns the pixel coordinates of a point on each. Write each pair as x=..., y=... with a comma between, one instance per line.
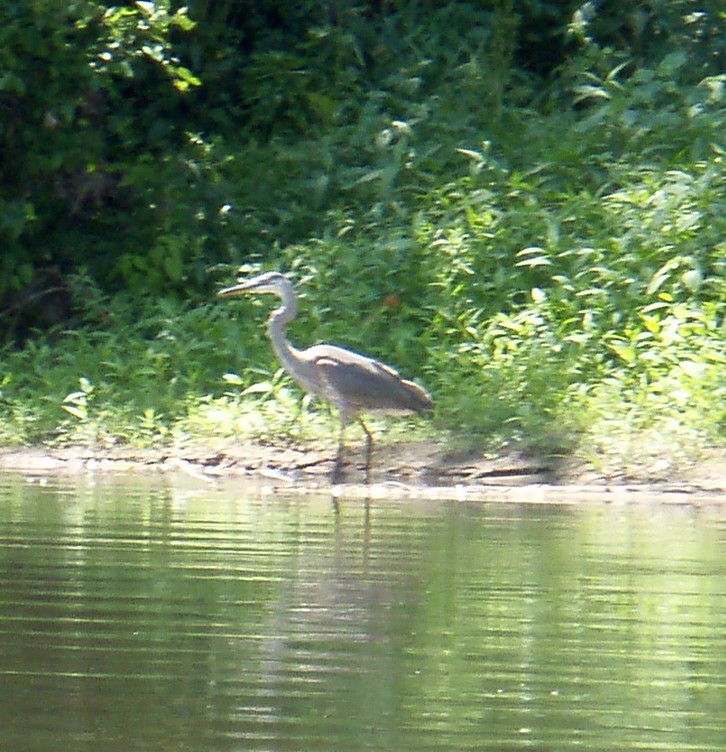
x=541, y=241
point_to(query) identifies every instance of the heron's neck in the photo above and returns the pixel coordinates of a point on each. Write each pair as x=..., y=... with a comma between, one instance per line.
x=279, y=319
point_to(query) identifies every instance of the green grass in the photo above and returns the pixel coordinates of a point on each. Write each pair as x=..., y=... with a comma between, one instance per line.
x=555, y=276
x=551, y=374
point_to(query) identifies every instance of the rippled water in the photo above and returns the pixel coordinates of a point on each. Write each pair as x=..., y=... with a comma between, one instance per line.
x=138, y=616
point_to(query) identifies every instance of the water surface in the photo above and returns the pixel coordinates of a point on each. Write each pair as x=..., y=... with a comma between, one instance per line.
x=136, y=615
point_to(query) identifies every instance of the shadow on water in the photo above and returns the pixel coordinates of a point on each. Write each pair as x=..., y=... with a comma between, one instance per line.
x=141, y=615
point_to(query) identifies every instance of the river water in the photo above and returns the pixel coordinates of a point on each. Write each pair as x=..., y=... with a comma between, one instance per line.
x=136, y=615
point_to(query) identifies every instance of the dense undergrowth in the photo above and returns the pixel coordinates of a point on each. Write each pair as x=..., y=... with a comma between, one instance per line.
x=549, y=259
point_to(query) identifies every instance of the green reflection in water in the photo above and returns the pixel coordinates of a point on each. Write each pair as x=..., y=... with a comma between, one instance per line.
x=141, y=616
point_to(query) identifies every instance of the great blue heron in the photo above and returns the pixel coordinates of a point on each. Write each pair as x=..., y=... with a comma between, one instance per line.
x=352, y=382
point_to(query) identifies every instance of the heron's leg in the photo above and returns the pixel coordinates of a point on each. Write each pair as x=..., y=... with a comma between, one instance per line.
x=369, y=448
x=339, y=455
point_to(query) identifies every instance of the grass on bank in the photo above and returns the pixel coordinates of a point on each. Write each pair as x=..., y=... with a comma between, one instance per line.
x=558, y=281
x=562, y=353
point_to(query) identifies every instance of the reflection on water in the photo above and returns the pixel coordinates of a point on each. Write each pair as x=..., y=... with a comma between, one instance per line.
x=138, y=617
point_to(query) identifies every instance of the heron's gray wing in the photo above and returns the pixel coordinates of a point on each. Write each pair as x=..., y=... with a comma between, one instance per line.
x=361, y=383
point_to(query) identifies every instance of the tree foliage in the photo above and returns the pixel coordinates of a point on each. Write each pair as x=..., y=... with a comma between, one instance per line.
x=89, y=94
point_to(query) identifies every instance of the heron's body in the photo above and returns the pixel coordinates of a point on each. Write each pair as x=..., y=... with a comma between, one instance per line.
x=354, y=383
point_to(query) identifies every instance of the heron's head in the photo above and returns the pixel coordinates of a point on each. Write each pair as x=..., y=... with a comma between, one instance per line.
x=270, y=282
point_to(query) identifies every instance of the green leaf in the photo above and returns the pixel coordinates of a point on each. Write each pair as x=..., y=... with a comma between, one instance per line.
x=146, y=7
x=76, y=412
x=78, y=397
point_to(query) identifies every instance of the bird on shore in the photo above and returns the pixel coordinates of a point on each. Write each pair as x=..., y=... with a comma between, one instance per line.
x=352, y=382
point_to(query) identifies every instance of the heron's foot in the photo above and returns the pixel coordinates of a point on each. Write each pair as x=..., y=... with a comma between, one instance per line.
x=337, y=475
x=369, y=457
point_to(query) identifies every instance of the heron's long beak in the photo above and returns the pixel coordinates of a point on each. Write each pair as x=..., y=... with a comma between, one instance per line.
x=232, y=292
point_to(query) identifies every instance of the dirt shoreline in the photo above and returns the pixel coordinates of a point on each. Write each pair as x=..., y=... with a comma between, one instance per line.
x=414, y=469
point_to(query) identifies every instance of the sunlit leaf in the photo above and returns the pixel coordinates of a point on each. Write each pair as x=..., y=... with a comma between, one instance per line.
x=693, y=279
x=261, y=387
x=76, y=412
x=75, y=397
x=471, y=154
x=538, y=295
x=533, y=262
